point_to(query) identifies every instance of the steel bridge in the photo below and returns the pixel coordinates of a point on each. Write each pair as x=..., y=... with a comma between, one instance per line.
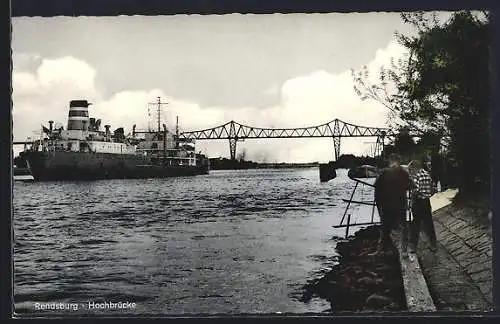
x=335, y=129
x=234, y=132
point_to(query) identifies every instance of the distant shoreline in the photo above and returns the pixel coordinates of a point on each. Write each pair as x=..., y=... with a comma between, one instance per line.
x=237, y=165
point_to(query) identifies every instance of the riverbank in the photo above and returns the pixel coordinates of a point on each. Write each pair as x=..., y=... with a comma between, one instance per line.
x=227, y=164
x=460, y=274
x=365, y=279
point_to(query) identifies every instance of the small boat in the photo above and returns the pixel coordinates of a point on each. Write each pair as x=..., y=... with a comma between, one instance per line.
x=363, y=171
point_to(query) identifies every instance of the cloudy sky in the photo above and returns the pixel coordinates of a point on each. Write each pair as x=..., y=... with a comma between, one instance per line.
x=261, y=70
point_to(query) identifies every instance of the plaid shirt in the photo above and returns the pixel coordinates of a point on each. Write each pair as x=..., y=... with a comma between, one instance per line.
x=423, y=185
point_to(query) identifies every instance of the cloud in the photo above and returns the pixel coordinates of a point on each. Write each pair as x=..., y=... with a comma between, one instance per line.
x=25, y=84
x=25, y=61
x=317, y=97
x=44, y=94
x=383, y=57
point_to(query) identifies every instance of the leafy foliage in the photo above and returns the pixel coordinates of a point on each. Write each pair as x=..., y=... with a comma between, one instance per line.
x=441, y=90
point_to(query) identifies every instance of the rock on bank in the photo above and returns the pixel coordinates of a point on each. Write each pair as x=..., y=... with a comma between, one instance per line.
x=365, y=279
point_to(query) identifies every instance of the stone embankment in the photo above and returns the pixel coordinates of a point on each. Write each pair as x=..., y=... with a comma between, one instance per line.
x=456, y=277
x=460, y=274
x=365, y=279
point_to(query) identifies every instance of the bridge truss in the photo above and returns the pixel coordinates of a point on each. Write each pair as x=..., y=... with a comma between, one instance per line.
x=335, y=129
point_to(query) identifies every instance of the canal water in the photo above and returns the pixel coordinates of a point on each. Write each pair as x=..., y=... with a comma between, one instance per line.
x=239, y=241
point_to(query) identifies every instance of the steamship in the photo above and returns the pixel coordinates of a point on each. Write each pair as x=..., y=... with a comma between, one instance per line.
x=85, y=152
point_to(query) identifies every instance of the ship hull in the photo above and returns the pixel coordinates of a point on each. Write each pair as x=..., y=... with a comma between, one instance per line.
x=55, y=166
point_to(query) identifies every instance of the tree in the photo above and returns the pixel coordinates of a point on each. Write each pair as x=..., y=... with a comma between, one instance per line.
x=404, y=143
x=441, y=90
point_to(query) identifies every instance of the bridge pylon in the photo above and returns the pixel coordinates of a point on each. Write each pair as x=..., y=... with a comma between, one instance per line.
x=380, y=144
x=233, y=138
x=336, y=139
x=232, y=148
x=336, y=147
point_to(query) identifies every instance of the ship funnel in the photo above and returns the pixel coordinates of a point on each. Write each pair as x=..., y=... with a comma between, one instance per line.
x=51, y=123
x=164, y=127
x=78, y=114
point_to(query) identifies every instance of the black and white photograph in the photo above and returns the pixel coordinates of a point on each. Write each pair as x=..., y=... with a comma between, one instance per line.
x=235, y=164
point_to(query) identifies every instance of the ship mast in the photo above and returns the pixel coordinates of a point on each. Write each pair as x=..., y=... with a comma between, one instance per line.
x=158, y=111
x=149, y=119
x=177, y=126
x=177, y=132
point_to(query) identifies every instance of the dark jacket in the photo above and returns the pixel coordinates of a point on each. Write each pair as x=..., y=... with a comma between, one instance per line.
x=391, y=189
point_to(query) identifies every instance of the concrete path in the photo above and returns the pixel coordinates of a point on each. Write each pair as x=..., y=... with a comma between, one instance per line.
x=442, y=199
x=460, y=274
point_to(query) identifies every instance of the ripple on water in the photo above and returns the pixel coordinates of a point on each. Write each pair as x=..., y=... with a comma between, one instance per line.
x=228, y=242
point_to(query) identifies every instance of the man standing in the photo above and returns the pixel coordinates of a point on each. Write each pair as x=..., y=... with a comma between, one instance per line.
x=391, y=199
x=422, y=190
